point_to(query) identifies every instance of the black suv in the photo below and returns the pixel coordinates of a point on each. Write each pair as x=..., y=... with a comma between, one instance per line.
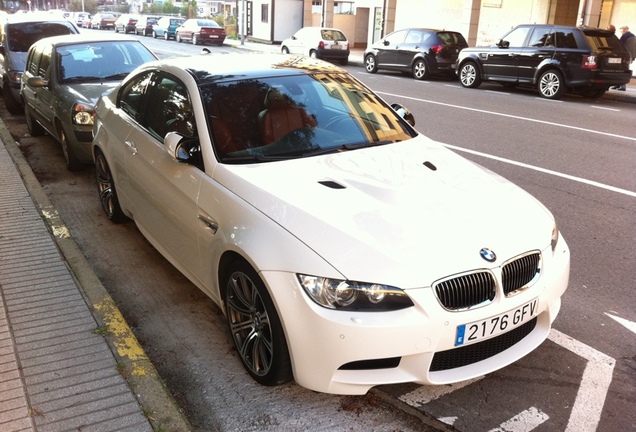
x=422, y=52
x=552, y=58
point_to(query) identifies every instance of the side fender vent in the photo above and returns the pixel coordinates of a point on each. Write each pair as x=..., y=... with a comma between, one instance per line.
x=331, y=184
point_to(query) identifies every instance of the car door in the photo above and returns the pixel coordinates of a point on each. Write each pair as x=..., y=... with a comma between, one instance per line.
x=540, y=48
x=501, y=61
x=388, y=49
x=298, y=42
x=412, y=45
x=163, y=190
x=41, y=98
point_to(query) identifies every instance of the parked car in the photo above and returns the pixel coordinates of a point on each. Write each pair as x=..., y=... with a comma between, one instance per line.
x=126, y=23
x=326, y=227
x=166, y=26
x=63, y=78
x=103, y=21
x=551, y=58
x=17, y=33
x=80, y=17
x=88, y=22
x=144, y=24
x=197, y=30
x=318, y=42
x=419, y=51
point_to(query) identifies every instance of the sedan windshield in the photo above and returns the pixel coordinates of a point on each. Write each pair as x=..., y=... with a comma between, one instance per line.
x=297, y=116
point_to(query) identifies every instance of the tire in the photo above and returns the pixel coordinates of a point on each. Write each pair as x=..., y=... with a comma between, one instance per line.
x=469, y=75
x=284, y=50
x=194, y=40
x=420, y=70
x=255, y=326
x=116, y=29
x=154, y=35
x=178, y=38
x=72, y=163
x=551, y=84
x=165, y=35
x=35, y=129
x=13, y=105
x=313, y=54
x=107, y=191
x=370, y=63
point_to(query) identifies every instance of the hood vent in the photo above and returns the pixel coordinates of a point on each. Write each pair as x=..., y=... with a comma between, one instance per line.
x=430, y=166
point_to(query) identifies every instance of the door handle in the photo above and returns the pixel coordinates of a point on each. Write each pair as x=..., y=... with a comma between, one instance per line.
x=209, y=223
x=131, y=146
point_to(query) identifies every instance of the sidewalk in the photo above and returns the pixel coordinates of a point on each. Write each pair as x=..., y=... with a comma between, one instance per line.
x=68, y=361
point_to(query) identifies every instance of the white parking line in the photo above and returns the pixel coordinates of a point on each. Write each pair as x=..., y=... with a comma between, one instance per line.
x=523, y=422
x=604, y=108
x=545, y=171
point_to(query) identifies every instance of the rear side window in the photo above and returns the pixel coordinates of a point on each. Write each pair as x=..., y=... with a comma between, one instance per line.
x=565, y=39
x=541, y=37
x=21, y=36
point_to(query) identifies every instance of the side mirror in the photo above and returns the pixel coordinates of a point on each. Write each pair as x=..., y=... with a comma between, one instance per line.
x=385, y=42
x=503, y=44
x=404, y=113
x=181, y=148
x=37, y=82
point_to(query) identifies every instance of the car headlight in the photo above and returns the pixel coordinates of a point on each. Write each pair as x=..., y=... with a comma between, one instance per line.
x=555, y=237
x=83, y=114
x=354, y=296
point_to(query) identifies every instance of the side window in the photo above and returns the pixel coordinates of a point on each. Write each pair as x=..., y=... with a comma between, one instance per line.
x=33, y=61
x=45, y=62
x=396, y=38
x=169, y=108
x=515, y=38
x=132, y=95
x=413, y=37
x=565, y=39
x=542, y=37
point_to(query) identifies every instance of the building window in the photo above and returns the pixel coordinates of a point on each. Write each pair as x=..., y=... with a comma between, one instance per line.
x=265, y=13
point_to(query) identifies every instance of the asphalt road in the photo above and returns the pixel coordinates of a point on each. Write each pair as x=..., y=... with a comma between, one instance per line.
x=576, y=156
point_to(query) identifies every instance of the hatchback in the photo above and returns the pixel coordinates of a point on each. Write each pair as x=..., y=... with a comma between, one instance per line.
x=200, y=31
x=551, y=58
x=17, y=33
x=144, y=25
x=344, y=248
x=126, y=23
x=318, y=42
x=63, y=78
x=421, y=52
x=166, y=26
x=103, y=21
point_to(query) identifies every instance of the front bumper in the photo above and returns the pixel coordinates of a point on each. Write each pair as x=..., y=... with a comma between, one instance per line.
x=350, y=352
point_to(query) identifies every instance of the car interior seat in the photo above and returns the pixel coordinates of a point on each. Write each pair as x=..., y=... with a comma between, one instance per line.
x=281, y=116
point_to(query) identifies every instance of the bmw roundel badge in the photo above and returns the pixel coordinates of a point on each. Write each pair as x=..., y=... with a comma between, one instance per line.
x=488, y=255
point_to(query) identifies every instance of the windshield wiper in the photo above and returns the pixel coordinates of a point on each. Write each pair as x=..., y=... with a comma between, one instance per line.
x=80, y=78
x=345, y=147
x=117, y=76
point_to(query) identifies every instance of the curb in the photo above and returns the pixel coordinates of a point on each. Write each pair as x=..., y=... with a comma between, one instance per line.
x=133, y=363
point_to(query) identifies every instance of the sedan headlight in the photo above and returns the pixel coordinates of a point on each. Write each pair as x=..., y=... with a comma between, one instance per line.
x=354, y=296
x=83, y=114
x=555, y=237
x=15, y=76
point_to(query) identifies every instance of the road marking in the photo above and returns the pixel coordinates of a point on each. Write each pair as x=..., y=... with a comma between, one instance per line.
x=497, y=92
x=597, y=377
x=605, y=108
x=523, y=422
x=545, y=171
x=425, y=394
x=629, y=324
x=592, y=131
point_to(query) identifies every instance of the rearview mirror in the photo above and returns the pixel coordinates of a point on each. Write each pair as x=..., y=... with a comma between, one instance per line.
x=404, y=113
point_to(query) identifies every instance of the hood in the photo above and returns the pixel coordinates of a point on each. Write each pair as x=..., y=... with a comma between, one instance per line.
x=17, y=60
x=88, y=93
x=403, y=214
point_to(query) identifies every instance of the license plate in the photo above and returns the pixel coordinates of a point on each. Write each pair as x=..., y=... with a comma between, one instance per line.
x=613, y=60
x=214, y=36
x=335, y=47
x=479, y=330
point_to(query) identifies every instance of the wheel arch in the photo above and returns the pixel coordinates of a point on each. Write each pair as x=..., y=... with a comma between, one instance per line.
x=473, y=59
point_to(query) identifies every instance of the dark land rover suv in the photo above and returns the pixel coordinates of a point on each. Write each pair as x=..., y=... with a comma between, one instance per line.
x=552, y=58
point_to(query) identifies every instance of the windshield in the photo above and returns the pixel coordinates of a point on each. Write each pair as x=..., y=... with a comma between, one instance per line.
x=297, y=116
x=21, y=36
x=100, y=60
